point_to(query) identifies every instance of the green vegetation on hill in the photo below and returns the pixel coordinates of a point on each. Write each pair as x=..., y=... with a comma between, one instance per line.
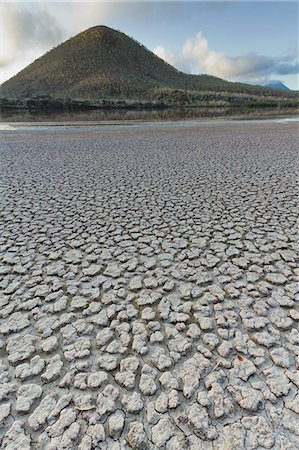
x=101, y=67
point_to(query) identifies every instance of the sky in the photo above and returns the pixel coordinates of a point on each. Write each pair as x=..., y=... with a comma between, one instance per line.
x=247, y=41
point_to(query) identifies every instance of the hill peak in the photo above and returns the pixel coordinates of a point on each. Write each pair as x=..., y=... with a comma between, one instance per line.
x=98, y=31
x=101, y=64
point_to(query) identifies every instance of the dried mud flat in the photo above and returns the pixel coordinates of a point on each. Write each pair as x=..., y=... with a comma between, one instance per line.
x=149, y=288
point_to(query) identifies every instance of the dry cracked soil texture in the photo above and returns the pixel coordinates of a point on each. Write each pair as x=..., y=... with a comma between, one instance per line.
x=148, y=279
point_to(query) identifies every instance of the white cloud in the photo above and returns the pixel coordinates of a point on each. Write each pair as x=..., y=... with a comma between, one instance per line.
x=198, y=57
x=169, y=57
x=24, y=29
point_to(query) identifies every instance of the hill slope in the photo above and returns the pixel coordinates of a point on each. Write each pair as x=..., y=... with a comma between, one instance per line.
x=101, y=63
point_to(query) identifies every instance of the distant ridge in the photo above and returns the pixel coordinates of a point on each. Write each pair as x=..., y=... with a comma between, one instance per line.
x=277, y=85
x=103, y=65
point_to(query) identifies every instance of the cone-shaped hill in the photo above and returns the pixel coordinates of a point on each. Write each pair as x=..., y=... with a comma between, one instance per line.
x=101, y=63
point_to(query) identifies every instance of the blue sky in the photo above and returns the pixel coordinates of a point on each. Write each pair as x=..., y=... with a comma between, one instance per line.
x=238, y=40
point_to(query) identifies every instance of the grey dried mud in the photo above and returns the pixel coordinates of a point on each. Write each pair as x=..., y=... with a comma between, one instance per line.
x=149, y=288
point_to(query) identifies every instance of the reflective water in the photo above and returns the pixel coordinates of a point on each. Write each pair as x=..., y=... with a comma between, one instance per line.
x=96, y=116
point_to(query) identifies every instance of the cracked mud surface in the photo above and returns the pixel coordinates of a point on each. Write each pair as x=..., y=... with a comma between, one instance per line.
x=149, y=288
